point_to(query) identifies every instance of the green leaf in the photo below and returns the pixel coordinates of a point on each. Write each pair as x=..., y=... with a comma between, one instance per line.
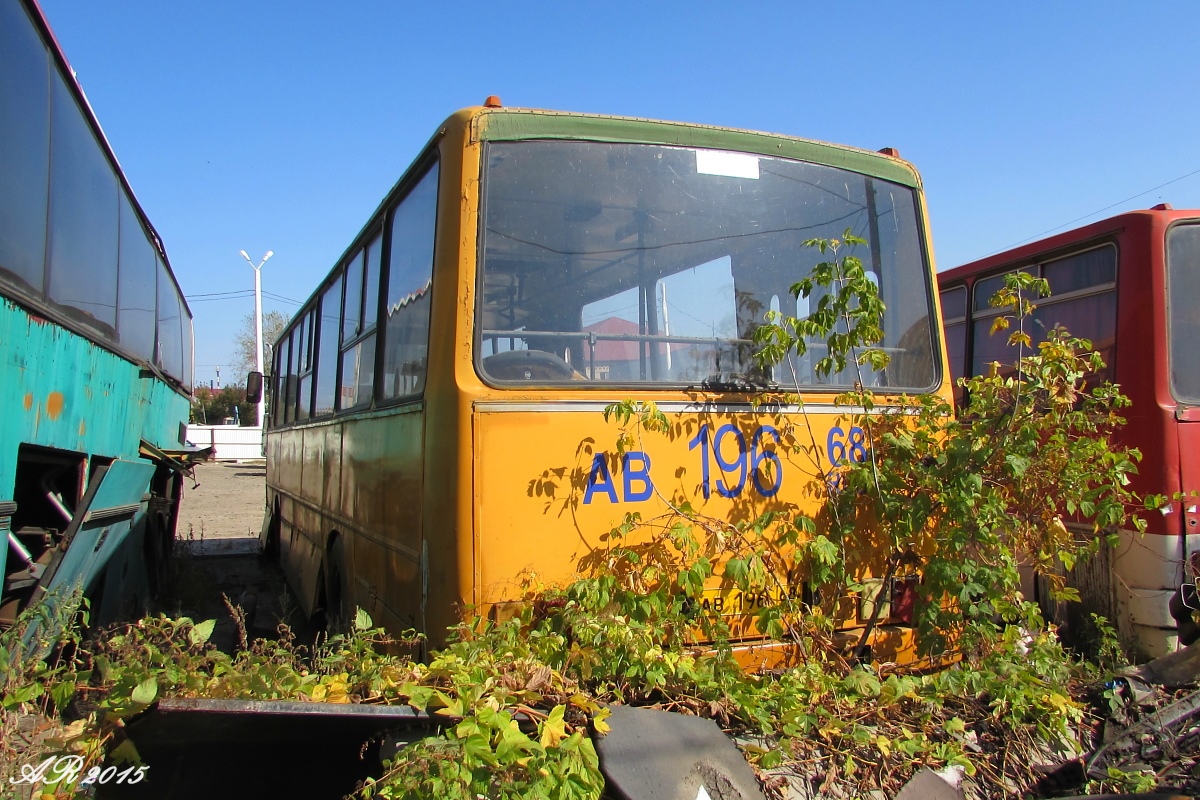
x=895, y=688
x=1018, y=464
x=126, y=753
x=201, y=633
x=61, y=693
x=554, y=729
x=451, y=706
x=478, y=750
x=22, y=694
x=735, y=570
x=862, y=683
x=145, y=692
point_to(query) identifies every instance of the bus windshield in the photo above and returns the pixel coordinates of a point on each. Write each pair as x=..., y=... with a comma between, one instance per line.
x=1183, y=282
x=652, y=265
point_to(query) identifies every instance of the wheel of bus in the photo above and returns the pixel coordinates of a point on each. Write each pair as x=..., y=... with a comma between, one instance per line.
x=528, y=365
x=269, y=549
x=158, y=555
x=338, y=609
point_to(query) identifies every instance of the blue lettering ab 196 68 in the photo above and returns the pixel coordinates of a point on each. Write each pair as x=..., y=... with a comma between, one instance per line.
x=755, y=464
x=758, y=467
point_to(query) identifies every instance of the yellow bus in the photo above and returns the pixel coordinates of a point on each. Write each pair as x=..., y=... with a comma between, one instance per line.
x=437, y=427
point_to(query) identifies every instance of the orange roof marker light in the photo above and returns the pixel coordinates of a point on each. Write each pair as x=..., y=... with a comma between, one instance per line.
x=493, y=101
x=890, y=151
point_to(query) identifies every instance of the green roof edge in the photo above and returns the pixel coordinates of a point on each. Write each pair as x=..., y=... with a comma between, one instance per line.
x=515, y=124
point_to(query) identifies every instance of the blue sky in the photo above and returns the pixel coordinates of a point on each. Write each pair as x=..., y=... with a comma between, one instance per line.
x=280, y=125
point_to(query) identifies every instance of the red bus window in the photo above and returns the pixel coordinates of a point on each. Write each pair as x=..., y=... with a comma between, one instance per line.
x=1183, y=286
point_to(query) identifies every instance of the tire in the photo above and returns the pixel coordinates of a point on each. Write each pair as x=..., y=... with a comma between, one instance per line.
x=270, y=544
x=158, y=556
x=338, y=601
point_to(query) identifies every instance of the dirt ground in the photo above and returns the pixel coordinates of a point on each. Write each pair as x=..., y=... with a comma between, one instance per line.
x=225, y=501
x=217, y=555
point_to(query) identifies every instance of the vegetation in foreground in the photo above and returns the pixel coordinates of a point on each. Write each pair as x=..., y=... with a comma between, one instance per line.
x=962, y=501
x=841, y=730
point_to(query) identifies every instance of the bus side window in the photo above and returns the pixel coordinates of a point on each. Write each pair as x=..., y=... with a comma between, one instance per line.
x=330, y=315
x=358, y=339
x=954, y=314
x=288, y=395
x=137, y=292
x=24, y=152
x=410, y=278
x=986, y=348
x=278, y=371
x=170, y=330
x=1083, y=300
x=305, y=366
x=82, y=252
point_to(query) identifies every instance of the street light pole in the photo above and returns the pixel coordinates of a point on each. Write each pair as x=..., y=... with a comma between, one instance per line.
x=258, y=336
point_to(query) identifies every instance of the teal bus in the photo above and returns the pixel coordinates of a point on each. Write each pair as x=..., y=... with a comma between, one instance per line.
x=95, y=348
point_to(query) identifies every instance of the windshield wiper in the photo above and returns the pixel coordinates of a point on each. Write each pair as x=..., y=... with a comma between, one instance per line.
x=736, y=383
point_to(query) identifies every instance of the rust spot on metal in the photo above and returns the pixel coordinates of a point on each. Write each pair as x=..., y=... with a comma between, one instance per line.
x=29, y=401
x=82, y=428
x=54, y=405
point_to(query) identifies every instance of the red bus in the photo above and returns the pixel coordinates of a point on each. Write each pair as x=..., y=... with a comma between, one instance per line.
x=1130, y=284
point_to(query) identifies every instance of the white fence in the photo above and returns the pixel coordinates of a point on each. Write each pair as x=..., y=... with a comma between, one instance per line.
x=230, y=442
